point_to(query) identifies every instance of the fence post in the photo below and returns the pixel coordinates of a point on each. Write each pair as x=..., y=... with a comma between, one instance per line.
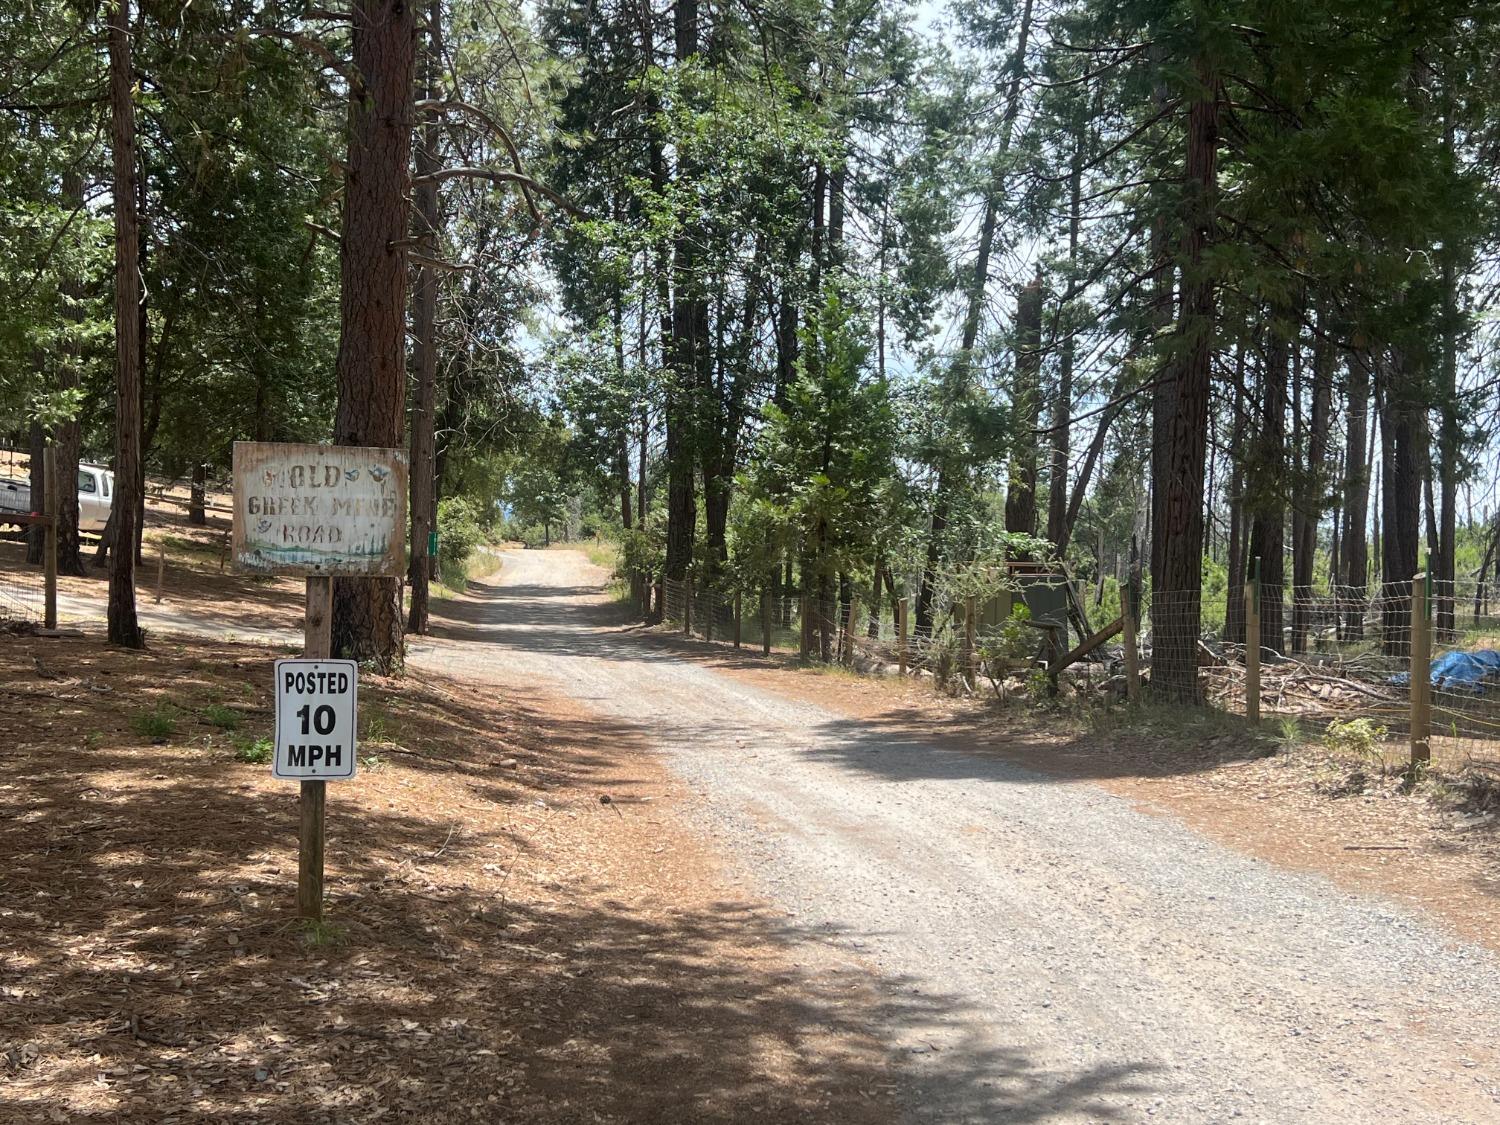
x=738, y=620
x=1421, y=671
x=1130, y=615
x=1252, y=644
x=805, y=642
x=687, y=608
x=903, y=655
x=765, y=622
x=161, y=568
x=970, y=613
x=49, y=539
x=708, y=614
x=849, y=628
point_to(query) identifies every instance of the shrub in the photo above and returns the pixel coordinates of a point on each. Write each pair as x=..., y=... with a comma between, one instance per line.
x=157, y=724
x=459, y=535
x=254, y=751
x=1360, y=737
x=222, y=717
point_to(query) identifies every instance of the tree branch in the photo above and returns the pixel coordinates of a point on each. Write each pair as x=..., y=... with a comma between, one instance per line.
x=495, y=127
x=496, y=176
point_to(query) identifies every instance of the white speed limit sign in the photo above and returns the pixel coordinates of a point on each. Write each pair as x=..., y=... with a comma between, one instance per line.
x=316, y=705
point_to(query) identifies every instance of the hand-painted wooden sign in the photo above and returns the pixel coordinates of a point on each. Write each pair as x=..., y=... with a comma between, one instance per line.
x=319, y=509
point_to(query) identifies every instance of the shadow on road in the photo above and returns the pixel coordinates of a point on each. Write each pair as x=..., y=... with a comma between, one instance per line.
x=147, y=934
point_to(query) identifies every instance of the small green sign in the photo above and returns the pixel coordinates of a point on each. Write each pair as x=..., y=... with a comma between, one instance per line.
x=432, y=542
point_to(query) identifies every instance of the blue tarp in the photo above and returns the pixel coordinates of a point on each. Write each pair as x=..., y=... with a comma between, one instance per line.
x=1461, y=671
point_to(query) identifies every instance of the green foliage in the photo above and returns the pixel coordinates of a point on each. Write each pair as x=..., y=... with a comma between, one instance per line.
x=225, y=718
x=460, y=534
x=157, y=724
x=1361, y=738
x=822, y=474
x=253, y=751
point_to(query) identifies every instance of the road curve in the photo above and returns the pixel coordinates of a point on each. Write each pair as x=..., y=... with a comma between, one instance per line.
x=1076, y=959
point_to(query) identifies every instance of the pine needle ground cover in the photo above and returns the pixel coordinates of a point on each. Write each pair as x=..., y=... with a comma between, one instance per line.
x=500, y=943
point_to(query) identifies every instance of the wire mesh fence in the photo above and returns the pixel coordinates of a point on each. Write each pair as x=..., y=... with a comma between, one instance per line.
x=1326, y=656
x=22, y=587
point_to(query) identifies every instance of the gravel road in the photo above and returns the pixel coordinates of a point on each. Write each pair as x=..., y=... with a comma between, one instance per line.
x=1045, y=951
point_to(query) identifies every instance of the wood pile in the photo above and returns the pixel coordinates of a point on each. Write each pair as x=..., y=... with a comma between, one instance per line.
x=1299, y=689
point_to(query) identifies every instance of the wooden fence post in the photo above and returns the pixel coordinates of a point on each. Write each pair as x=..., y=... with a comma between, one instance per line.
x=161, y=568
x=903, y=654
x=49, y=538
x=708, y=614
x=765, y=622
x=687, y=607
x=317, y=644
x=971, y=614
x=849, y=629
x=1130, y=617
x=1252, y=644
x=738, y=619
x=1421, y=671
x=805, y=643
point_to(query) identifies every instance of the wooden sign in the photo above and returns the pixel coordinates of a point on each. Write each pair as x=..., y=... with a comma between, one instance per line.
x=319, y=510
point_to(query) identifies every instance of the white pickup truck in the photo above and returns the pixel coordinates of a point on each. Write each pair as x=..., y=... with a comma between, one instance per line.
x=96, y=490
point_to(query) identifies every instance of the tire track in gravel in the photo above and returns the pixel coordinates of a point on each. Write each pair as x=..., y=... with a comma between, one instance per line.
x=1090, y=962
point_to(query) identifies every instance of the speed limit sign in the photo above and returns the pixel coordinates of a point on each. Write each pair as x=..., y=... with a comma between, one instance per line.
x=316, y=709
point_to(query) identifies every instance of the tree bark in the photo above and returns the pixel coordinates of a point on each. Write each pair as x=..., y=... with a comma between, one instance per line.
x=423, y=467
x=1174, y=667
x=196, y=495
x=1268, y=500
x=1401, y=431
x=1020, y=490
x=1355, y=558
x=371, y=370
x=69, y=438
x=1313, y=489
x=1234, y=607
x=1062, y=409
x=124, y=629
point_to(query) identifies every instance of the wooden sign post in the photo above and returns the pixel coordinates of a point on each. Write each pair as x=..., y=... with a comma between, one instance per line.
x=322, y=512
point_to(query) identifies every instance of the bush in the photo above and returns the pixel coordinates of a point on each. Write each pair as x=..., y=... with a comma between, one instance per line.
x=220, y=716
x=254, y=751
x=459, y=534
x=158, y=724
x=1359, y=737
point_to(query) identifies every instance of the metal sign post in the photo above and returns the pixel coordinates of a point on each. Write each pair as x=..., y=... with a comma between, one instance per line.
x=323, y=512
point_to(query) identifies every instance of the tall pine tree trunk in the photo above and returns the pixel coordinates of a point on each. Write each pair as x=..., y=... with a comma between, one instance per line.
x=371, y=366
x=1020, y=490
x=1062, y=409
x=423, y=467
x=1401, y=431
x=1174, y=666
x=69, y=438
x=1355, y=557
x=1312, y=490
x=124, y=629
x=1234, y=608
x=1268, y=521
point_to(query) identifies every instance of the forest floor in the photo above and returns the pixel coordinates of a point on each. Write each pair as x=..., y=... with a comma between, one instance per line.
x=502, y=945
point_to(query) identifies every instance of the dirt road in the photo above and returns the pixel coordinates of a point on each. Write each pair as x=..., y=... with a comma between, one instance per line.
x=1045, y=951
